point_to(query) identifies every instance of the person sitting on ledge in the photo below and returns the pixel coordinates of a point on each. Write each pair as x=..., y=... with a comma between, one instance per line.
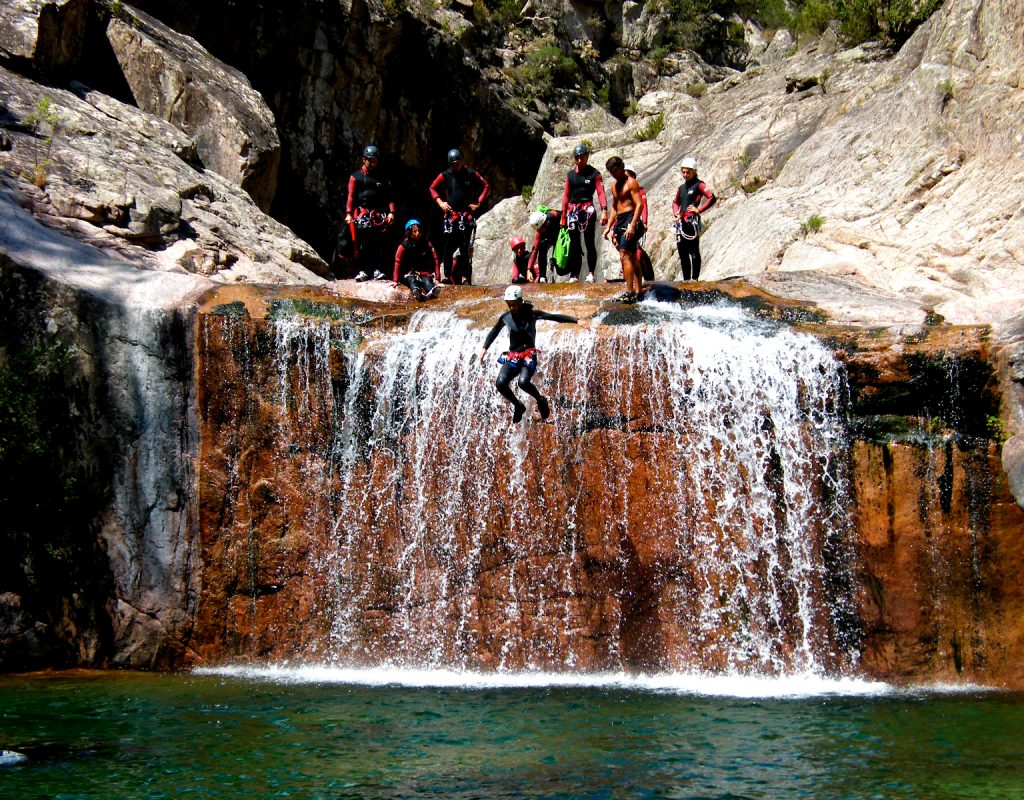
x=416, y=263
x=520, y=360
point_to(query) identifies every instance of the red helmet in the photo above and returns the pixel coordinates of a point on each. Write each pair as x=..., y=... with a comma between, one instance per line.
x=515, y=241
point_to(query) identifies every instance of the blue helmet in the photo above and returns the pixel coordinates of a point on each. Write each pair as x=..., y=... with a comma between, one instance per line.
x=371, y=152
x=580, y=150
x=454, y=155
x=412, y=222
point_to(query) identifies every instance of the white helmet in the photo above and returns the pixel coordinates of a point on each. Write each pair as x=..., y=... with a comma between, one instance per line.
x=513, y=293
x=688, y=163
x=629, y=168
x=537, y=219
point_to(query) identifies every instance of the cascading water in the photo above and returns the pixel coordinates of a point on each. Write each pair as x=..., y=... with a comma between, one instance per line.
x=684, y=510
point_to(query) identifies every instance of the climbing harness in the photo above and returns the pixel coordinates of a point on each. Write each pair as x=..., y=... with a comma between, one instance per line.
x=527, y=358
x=688, y=227
x=578, y=215
x=365, y=218
x=459, y=220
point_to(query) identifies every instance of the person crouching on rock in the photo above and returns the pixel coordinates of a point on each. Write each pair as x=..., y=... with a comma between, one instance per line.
x=520, y=360
x=416, y=263
x=521, y=258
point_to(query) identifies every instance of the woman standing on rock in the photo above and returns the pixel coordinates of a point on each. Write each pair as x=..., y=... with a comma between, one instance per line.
x=578, y=212
x=692, y=199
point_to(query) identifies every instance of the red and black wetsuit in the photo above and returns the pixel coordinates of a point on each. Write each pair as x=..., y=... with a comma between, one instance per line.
x=417, y=265
x=692, y=193
x=521, y=267
x=543, y=242
x=460, y=190
x=369, y=202
x=522, y=338
x=578, y=202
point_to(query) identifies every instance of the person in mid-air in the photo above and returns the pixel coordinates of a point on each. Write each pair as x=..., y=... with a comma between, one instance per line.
x=520, y=360
x=416, y=263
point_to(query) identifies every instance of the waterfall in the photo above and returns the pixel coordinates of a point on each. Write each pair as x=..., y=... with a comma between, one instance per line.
x=684, y=508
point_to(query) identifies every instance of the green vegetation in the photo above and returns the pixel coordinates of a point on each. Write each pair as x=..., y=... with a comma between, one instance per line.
x=527, y=194
x=861, y=20
x=651, y=130
x=545, y=68
x=751, y=186
x=43, y=120
x=812, y=225
x=948, y=90
x=696, y=89
x=708, y=26
x=996, y=429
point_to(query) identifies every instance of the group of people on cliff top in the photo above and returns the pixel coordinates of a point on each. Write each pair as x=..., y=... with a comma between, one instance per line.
x=560, y=235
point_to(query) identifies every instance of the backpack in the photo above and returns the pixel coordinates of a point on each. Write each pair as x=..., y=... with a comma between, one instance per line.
x=543, y=209
x=561, y=252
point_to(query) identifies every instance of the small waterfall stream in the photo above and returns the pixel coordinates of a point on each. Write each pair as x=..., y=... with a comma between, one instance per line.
x=685, y=509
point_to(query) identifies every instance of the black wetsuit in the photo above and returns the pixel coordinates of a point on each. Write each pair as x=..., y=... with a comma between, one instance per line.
x=369, y=202
x=460, y=190
x=522, y=335
x=417, y=266
x=692, y=193
x=578, y=199
x=544, y=241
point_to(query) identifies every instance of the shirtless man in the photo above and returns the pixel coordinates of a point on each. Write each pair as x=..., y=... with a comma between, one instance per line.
x=627, y=205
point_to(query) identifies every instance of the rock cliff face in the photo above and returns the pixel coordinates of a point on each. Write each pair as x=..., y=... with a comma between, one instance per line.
x=151, y=184
x=365, y=500
x=102, y=530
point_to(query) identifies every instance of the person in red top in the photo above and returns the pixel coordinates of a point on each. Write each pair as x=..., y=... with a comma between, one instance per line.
x=459, y=192
x=578, y=212
x=692, y=199
x=416, y=263
x=369, y=215
x=524, y=267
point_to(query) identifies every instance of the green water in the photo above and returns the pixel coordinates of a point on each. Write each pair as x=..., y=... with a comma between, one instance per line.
x=102, y=735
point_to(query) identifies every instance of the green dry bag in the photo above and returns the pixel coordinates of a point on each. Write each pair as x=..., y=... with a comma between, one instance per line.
x=561, y=254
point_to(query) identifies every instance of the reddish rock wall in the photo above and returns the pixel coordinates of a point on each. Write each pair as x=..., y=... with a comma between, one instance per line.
x=596, y=573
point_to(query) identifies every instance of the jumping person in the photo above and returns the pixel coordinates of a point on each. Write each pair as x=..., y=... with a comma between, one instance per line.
x=416, y=263
x=578, y=212
x=626, y=227
x=520, y=360
x=521, y=260
x=459, y=192
x=369, y=215
x=692, y=199
x=546, y=225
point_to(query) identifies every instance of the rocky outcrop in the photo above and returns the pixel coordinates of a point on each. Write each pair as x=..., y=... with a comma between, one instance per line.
x=101, y=528
x=47, y=35
x=173, y=78
x=111, y=175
